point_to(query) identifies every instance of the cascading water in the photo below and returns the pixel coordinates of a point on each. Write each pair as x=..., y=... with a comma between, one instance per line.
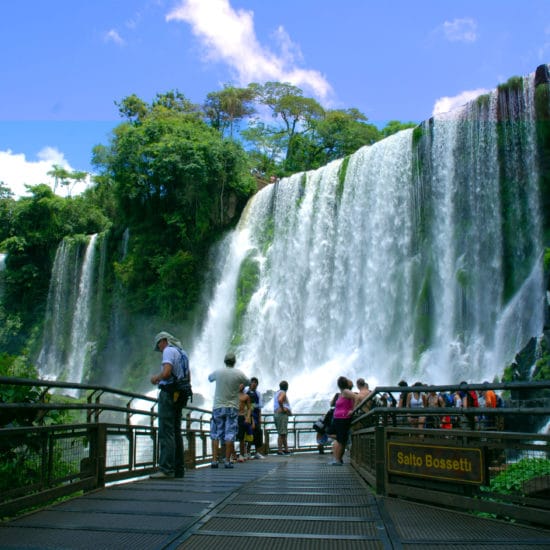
x=80, y=344
x=66, y=341
x=420, y=257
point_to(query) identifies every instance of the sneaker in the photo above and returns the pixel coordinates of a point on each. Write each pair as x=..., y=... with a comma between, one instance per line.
x=280, y=453
x=161, y=475
x=259, y=456
x=287, y=453
x=336, y=463
x=228, y=465
x=241, y=459
x=213, y=465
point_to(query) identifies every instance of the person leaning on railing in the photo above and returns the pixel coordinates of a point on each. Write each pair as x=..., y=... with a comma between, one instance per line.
x=341, y=423
x=416, y=400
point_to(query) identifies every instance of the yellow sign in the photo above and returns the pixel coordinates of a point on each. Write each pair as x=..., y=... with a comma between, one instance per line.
x=458, y=464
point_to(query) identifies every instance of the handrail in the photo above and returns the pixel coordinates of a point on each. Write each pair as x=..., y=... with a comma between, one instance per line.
x=506, y=386
x=95, y=451
x=402, y=457
x=92, y=449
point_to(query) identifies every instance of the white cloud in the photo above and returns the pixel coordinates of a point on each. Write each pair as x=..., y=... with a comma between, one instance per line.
x=446, y=104
x=16, y=171
x=113, y=36
x=460, y=30
x=228, y=36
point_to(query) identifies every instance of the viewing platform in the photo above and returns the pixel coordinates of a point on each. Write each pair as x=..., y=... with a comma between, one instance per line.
x=402, y=486
x=294, y=502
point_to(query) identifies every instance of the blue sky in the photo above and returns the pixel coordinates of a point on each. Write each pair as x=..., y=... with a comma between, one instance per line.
x=65, y=63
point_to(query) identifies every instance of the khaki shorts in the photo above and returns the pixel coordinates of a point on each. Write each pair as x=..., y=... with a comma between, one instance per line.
x=281, y=423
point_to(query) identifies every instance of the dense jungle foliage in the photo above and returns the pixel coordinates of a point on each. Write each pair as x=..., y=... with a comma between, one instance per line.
x=176, y=175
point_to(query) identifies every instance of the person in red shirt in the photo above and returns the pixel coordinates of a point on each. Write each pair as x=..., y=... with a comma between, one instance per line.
x=490, y=398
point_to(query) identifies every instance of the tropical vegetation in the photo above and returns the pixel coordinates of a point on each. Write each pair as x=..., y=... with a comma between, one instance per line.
x=176, y=175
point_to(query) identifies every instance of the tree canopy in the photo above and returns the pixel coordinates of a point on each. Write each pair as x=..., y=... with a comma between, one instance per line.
x=176, y=175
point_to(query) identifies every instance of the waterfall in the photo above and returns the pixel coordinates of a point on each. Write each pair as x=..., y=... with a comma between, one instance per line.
x=419, y=257
x=79, y=339
x=66, y=341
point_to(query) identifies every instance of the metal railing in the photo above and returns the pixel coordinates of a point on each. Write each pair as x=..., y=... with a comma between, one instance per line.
x=59, y=445
x=79, y=444
x=483, y=463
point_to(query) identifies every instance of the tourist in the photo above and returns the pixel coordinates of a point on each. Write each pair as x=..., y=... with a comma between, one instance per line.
x=362, y=393
x=174, y=366
x=489, y=399
x=225, y=408
x=433, y=401
x=416, y=400
x=402, y=401
x=244, y=422
x=257, y=404
x=343, y=409
x=469, y=401
x=281, y=410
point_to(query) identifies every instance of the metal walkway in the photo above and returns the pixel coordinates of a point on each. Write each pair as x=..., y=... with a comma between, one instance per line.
x=288, y=503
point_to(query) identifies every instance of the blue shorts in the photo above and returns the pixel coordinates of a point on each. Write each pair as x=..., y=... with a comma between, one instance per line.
x=223, y=425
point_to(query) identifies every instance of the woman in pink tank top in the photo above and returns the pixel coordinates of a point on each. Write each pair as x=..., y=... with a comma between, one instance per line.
x=342, y=419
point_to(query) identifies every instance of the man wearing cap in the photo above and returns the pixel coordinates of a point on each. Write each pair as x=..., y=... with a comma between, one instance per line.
x=225, y=408
x=170, y=405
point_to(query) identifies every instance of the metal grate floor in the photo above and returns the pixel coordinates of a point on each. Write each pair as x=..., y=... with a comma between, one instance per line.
x=287, y=503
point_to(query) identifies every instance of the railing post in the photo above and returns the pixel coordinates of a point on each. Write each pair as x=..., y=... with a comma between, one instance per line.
x=380, y=454
x=98, y=452
x=190, y=453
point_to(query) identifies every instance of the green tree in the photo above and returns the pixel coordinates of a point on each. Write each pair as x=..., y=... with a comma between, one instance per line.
x=59, y=174
x=132, y=108
x=268, y=147
x=340, y=133
x=176, y=184
x=174, y=101
x=75, y=177
x=230, y=105
x=37, y=224
x=297, y=113
x=6, y=210
x=394, y=126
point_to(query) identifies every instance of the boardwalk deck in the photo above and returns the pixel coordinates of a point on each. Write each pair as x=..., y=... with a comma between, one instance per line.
x=294, y=502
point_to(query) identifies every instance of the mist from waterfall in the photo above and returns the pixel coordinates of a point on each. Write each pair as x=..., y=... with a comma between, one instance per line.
x=392, y=266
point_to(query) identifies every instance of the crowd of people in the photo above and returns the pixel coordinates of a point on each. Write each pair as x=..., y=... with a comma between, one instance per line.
x=464, y=399
x=237, y=410
x=335, y=425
